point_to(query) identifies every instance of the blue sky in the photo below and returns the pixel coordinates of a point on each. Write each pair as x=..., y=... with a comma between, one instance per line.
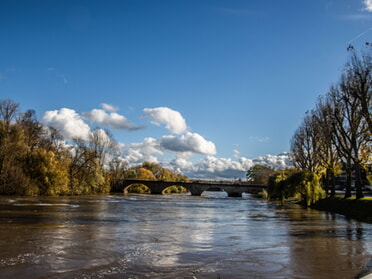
x=209, y=87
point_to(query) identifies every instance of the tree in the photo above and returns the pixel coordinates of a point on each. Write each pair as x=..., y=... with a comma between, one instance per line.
x=338, y=131
x=86, y=174
x=259, y=174
x=359, y=74
x=103, y=145
x=33, y=130
x=328, y=157
x=350, y=128
x=291, y=183
x=8, y=110
x=145, y=174
x=305, y=144
x=48, y=173
x=13, y=154
x=117, y=170
x=161, y=173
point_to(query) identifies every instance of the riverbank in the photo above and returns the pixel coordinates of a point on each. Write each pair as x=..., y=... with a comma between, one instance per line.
x=358, y=209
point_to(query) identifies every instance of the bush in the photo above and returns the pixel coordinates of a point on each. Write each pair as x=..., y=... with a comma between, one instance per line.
x=175, y=190
x=138, y=189
x=290, y=183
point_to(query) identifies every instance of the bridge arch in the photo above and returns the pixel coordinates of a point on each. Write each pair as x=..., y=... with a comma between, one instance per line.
x=175, y=189
x=138, y=188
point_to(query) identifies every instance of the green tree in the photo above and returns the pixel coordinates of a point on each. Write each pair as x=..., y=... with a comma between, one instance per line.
x=259, y=174
x=291, y=183
x=13, y=154
x=86, y=174
x=48, y=173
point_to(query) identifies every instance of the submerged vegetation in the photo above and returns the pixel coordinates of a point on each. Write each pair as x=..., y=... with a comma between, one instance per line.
x=36, y=160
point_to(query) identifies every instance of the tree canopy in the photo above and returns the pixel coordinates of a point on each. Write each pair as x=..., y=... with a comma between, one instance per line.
x=35, y=160
x=335, y=136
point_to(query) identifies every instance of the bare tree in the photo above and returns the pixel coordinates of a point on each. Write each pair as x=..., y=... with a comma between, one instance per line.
x=327, y=155
x=359, y=80
x=305, y=144
x=33, y=129
x=350, y=129
x=103, y=144
x=8, y=110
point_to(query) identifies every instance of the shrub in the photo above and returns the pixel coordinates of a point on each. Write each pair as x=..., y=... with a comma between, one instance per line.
x=303, y=185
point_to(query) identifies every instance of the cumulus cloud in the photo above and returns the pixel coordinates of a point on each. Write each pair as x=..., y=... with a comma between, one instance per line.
x=212, y=167
x=367, y=5
x=189, y=142
x=274, y=161
x=68, y=122
x=182, y=147
x=173, y=120
x=112, y=120
x=137, y=153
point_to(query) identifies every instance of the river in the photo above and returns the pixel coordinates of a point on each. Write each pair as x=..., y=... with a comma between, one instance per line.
x=151, y=236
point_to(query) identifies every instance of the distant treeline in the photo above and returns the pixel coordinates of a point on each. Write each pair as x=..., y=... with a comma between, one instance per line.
x=36, y=160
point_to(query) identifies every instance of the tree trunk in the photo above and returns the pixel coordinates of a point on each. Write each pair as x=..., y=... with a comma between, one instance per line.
x=358, y=181
x=333, y=184
x=348, y=183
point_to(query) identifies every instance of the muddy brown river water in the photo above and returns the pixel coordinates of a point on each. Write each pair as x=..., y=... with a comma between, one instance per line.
x=149, y=236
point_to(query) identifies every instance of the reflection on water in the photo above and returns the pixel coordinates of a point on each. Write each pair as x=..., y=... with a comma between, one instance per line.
x=148, y=236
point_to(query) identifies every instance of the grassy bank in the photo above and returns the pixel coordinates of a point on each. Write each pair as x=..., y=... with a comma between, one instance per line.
x=358, y=209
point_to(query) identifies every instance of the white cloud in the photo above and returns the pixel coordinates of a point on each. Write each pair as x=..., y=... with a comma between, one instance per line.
x=189, y=142
x=108, y=107
x=368, y=5
x=275, y=161
x=172, y=119
x=236, y=154
x=182, y=147
x=68, y=122
x=182, y=163
x=112, y=119
x=137, y=153
x=212, y=167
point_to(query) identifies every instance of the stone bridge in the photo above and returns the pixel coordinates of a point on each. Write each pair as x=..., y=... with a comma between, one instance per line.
x=196, y=188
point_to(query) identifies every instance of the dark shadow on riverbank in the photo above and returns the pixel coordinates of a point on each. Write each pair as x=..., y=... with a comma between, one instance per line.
x=360, y=210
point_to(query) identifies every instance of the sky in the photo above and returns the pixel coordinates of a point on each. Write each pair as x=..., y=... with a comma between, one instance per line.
x=207, y=87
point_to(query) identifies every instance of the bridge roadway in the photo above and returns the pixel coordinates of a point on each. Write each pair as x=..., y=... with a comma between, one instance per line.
x=196, y=188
